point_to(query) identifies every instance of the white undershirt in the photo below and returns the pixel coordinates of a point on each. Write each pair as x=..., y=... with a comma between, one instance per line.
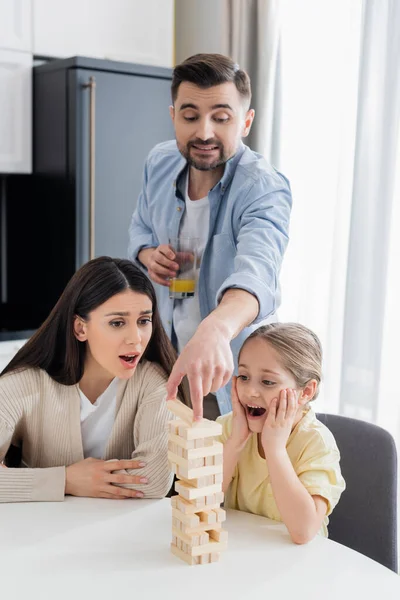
x=97, y=421
x=195, y=223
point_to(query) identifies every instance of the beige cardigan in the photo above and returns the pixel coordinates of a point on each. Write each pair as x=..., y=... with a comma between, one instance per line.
x=43, y=417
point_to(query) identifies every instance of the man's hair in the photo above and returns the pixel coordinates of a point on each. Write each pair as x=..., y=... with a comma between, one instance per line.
x=207, y=70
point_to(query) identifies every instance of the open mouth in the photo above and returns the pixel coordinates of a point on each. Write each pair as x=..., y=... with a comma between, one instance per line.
x=205, y=148
x=129, y=360
x=255, y=411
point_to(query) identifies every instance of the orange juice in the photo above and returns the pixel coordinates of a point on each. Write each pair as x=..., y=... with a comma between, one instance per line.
x=182, y=286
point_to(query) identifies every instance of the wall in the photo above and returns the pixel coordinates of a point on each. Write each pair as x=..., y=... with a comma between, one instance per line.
x=200, y=27
x=128, y=30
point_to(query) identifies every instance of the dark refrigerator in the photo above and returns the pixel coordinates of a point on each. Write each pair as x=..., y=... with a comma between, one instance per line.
x=94, y=122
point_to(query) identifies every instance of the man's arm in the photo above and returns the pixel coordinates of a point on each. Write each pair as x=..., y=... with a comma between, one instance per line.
x=207, y=358
x=141, y=234
x=247, y=295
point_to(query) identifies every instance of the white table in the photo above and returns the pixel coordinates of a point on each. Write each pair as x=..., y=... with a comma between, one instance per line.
x=119, y=550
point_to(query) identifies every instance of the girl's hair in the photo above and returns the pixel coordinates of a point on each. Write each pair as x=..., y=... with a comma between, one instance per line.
x=299, y=349
x=54, y=347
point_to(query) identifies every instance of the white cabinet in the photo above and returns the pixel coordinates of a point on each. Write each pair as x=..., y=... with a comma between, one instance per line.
x=15, y=112
x=127, y=30
x=8, y=350
x=16, y=25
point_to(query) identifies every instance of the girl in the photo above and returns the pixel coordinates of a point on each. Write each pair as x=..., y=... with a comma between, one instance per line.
x=279, y=460
x=82, y=404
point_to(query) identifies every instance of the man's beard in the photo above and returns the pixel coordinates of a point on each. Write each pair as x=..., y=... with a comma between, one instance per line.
x=202, y=164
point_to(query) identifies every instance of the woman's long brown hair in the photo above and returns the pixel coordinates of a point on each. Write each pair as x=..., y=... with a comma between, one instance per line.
x=54, y=347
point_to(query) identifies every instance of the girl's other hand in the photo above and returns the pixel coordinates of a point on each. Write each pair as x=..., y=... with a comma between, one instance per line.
x=280, y=421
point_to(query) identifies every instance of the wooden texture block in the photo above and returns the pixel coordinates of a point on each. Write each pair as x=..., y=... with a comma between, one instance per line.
x=209, y=548
x=188, y=507
x=190, y=493
x=218, y=534
x=191, y=520
x=191, y=560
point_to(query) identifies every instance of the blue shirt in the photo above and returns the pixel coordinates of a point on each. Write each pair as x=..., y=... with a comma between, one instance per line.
x=248, y=234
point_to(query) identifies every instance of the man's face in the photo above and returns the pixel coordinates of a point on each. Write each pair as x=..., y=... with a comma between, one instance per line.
x=209, y=123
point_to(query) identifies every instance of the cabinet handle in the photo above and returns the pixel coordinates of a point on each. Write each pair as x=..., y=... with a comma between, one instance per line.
x=91, y=85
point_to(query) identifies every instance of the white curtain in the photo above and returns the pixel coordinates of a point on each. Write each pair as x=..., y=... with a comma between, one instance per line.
x=340, y=148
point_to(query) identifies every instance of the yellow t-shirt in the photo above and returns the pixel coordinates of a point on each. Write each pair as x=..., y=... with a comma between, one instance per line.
x=314, y=455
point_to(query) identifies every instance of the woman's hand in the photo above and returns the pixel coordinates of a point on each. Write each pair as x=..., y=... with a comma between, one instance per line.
x=240, y=429
x=95, y=478
x=279, y=422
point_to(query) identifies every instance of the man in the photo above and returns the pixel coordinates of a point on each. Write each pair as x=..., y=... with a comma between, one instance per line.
x=209, y=183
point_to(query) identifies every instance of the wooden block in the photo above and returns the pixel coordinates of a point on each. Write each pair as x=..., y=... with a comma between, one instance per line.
x=190, y=493
x=185, y=465
x=200, y=430
x=199, y=502
x=188, y=507
x=209, y=461
x=180, y=410
x=173, y=427
x=219, y=535
x=185, y=444
x=178, y=542
x=195, y=472
x=214, y=556
x=201, y=528
x=215, y=449
x=174, y=501
x=209, y=517
x=218, y=478
x=192, y=539
x=174, y=539
x=218, y=459
x=189, y=539
x=172, y=447
x=221, y=515
x=205, y=559
x=189, y=520
x=199, y=482
x=191, y=560
x=209, y=548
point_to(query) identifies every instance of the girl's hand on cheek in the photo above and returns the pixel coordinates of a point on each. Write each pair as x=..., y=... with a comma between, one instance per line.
x=240, y=429
x=279, y=422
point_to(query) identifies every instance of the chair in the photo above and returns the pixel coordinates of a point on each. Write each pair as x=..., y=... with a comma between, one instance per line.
x=365, y=518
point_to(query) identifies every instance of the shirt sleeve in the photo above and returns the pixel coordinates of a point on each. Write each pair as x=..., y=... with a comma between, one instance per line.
x=141, y=234
x=261, y=244
x=151, y=436
x=319, y=470
x=28, y=485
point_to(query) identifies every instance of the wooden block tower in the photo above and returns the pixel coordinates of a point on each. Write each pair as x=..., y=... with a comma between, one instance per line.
x=197, y=516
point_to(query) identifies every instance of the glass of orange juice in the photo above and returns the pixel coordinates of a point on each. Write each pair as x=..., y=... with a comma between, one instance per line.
x=184, y=283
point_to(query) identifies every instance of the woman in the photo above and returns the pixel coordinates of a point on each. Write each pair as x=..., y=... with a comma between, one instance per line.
x=82, y=403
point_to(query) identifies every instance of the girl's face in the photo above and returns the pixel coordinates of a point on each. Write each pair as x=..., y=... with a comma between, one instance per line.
x=117, y=333
x=261, y=378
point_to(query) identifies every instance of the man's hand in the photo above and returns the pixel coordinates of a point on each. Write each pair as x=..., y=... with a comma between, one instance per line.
x=207, y=361
x=94, y=478
x=159, y=263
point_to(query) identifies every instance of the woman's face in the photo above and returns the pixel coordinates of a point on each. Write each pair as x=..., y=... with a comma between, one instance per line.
x=117, y=333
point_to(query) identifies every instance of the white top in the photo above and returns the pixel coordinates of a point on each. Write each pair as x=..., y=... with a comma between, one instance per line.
x=97, y=421
x=92, y=548
x=195, y=223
